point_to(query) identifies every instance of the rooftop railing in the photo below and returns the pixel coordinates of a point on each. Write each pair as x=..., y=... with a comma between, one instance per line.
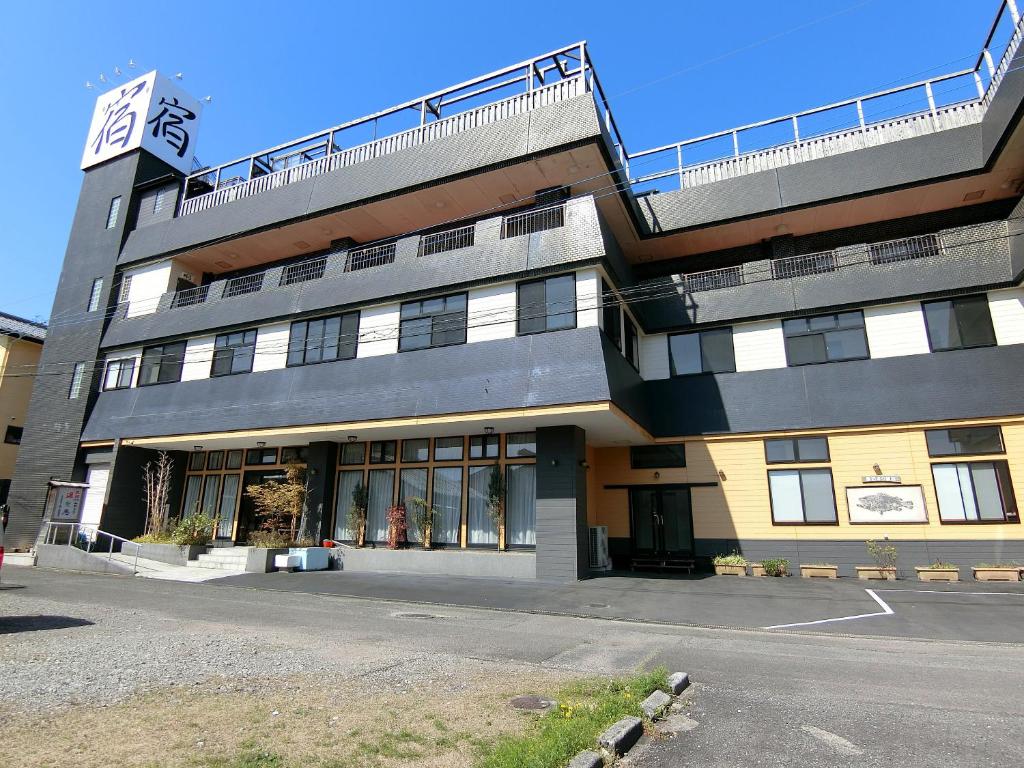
x=915, y=109
x=547, y=79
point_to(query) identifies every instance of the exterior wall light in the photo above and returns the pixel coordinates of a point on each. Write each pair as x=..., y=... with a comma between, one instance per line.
x=351, y=438
x=878, y=469
x=489, y=430
x=657, y=475
x=197, y=447
x=260, y=444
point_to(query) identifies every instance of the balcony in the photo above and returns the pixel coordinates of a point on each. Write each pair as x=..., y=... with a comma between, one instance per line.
x=928, y=106
x=958, y=258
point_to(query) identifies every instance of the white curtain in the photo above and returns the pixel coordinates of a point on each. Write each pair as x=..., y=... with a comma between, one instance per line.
x=482, y=529
x=448, y=503
x=347, y=482
x=381, y=490
x=211, y=495
x=192, y=486
x=227, y=507
x=787, y=500
x=521, y=505
x=412, y=484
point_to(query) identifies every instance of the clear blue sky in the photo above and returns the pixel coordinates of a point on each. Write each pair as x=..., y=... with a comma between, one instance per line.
x=280, y=70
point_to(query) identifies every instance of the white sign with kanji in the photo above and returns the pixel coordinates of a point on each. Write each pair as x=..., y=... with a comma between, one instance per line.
x=149, y=112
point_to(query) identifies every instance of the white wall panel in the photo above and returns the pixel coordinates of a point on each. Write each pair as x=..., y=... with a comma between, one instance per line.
x=492, y=313
x=378, y=331
x=896, y=329
x=1007, y=308
x=198, y=359
x=759, y=345
x=588, y=289
x=654, y=357
x=271, y=347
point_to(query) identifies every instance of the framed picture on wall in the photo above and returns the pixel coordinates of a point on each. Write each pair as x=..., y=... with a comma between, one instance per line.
x=874, y=504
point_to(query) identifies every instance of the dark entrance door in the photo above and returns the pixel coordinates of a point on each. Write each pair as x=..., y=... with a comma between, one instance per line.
x=661, y=524
x=248, y=521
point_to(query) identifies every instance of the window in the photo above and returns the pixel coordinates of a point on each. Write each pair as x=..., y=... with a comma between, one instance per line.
x=632, y=350
x=433, y=323
x=215, y=460
x=521, y=505
x=959, y=323
x=162, y=364
x=520, y=445
x=481, y=528
x=94, y=294
x=382, y=452
x=324, y=339
x=546, y=305
x=304, y=271
x=802, y=497
x=125, y=290
x=448, y=449
x=657, y=456
x=115, y=207
x=611, y=316
x=353, y=453
x=75, y=390
x=348, y=481
x=789, y=450
x=13, y=435
x=964, y=441
x=159, y=200
x=196, y=461
x=412, y=484
x=257, y=456
x=119, y=373
x=702, y=352
x=975, y=492
x=447, y=500
x=296, y=454
x=483, y=447
x=233, y=353
x=825, y=338
x=416, y=450
x=234, y=460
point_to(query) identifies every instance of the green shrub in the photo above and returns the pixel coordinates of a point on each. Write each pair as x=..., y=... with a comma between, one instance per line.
x=269, y=539
x=776, y=566
x=884, y=555
x=731, y=559
x=939, y=565
x=194, y=529
x=160, y=537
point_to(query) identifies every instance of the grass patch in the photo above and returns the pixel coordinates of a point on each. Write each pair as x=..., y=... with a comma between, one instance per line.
x=585, y=711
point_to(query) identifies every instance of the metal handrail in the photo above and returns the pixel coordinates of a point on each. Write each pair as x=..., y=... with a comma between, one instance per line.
x=52, y=527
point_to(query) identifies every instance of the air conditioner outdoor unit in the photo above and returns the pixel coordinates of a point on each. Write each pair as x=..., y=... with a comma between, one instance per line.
x=599, y=559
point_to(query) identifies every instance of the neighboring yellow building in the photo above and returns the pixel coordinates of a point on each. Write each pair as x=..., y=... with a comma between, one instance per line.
x=21, y=342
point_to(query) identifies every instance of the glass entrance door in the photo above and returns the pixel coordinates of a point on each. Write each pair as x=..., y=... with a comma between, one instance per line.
x=661, y=522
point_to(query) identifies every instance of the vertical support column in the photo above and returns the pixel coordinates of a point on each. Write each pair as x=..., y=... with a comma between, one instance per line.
x=562, y=545
x=321, y=470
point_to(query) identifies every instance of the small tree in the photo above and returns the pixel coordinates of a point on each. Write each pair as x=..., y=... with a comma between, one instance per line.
x=357, y=513
x=884, y=555
x=423, y=515
x=397, y=526
x=496, y=499
x=156, y=480
x=280, y=504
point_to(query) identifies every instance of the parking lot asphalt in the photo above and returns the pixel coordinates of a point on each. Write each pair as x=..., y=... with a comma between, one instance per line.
x=968, y=611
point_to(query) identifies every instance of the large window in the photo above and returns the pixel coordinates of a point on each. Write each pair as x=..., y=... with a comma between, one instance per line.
x=546, y=305
x=964, y=441
x=119, y=373
x=657, y=456
x=412, y=484
x=483, y=447
x=482, y=529
x=521, y=505
x=112, y=211
x=975, y=492
x=825, y=338
x=448, y=449
x=433, y=323
x=324, y=339
x=447, y=497
x=416, y=450
x=162, y=364
x=959, y=323
x=702, y=352
x=348, y=481
x=77, y=379
x=353, y=453
x=381, y=489
x=788, y=450
x=802, y=497
x=382, y=452
x=519, y=445
x=233, y=353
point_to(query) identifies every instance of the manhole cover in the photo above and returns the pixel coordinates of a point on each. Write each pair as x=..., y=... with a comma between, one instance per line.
x=531, y=703
x=596, y=605
x=406, y=615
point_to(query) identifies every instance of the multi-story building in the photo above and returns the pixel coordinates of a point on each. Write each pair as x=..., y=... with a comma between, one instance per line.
x=780, y=345
x=21, y=341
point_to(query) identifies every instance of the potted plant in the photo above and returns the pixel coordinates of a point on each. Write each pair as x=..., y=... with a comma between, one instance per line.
x=885, y=556
x=496, y=503
x=819, y=571
x=423, y=515
x=996, y=572
x=397, y=526
x=733, y=564
x=938, y=571
x=357, y=513
x=773, y=566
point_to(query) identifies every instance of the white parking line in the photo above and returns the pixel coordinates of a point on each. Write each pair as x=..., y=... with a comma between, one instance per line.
x=952, y=592
x=886, y=611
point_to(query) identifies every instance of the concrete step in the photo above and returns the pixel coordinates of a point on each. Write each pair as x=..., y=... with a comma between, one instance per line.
x=222, y=558
x=216, y=566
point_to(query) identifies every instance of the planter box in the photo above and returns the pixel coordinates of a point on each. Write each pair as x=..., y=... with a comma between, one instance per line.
x=874, y=573
x=926, y=573
x=757, y=569
x=261, y=559
x=311, y=558
x=819, y=571
x=173, y=554
x=1008, y=573
x=730, y=570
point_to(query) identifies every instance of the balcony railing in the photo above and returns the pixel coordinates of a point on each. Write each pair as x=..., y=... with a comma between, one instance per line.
x=905, y=249
x=450, y=240
x=304, y=271
x=805, y=264
x=711, y=279
x=239, y=286
x=543, y=80
x=927, y=106
x=190, y=296
x=371, y=256
x=528, y=222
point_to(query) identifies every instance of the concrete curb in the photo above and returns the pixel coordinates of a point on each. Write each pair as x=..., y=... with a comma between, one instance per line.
x=623, y=735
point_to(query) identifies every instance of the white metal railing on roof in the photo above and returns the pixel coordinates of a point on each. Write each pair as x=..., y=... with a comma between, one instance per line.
x=854, y=128
x=537, y=82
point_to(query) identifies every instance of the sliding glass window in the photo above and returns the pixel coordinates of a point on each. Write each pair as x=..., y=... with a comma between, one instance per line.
x=233, y=353
x=324, y=339
x=429, y=323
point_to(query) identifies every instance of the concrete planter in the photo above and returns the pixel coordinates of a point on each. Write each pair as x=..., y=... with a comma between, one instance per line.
x=173, y=554
x=996, y=573
x=261, y=559
x=819, y=571
x=311, y=558
x=874, y=573
x=449, y=562
x=927, y=573
x=730, y=570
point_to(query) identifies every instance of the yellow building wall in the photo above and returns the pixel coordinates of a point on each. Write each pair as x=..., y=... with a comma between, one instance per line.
x=16, y=357
x=739, y=507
